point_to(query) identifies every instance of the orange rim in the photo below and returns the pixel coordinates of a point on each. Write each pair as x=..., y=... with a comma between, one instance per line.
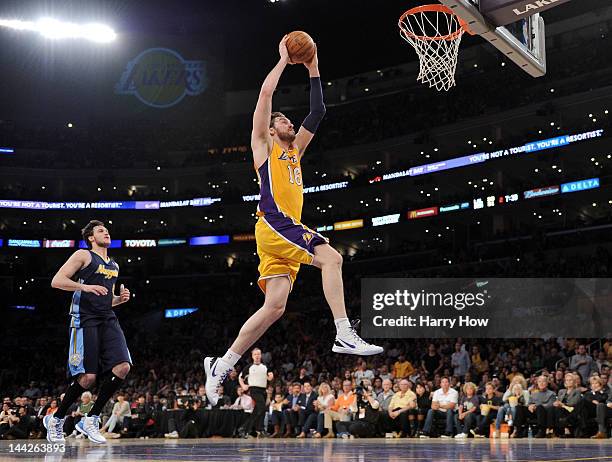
x=463, y=27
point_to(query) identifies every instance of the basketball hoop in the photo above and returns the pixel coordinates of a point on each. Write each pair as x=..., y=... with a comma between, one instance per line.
x=435, y=33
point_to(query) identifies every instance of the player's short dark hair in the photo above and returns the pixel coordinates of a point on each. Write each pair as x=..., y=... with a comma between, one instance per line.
x=88, y=231
x=273, y=117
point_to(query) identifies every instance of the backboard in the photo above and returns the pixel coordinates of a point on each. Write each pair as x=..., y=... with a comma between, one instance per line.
x=514, y=27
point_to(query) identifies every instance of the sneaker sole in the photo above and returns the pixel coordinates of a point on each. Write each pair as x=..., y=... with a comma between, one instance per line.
x=351, y=351
x=84, y=433
x=207, y=363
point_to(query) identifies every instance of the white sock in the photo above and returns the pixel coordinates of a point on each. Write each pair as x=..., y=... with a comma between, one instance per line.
x=231, y=358
x=342, y=325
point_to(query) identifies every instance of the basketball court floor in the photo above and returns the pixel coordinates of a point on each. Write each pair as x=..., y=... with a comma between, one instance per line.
x=360, y=450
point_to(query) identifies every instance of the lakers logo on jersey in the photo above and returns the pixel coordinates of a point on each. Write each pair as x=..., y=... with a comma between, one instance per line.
x=108, y=273
x=307, y=237
x=290, y=157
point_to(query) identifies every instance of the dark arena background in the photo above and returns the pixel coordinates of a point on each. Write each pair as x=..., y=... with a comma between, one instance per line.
x=496, y=169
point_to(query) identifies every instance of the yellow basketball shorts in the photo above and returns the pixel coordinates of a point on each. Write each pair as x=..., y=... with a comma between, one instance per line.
x=283, y=243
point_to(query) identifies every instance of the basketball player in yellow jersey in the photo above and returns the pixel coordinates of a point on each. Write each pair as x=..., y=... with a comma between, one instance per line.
x=283, y=242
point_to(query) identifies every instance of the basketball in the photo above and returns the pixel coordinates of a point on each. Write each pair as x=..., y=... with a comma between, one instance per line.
x=301, y=47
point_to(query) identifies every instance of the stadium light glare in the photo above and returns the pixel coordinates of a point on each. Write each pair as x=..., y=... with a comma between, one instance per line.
x=54, y=29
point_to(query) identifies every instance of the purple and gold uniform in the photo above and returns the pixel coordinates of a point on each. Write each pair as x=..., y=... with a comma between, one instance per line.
x=283, y=242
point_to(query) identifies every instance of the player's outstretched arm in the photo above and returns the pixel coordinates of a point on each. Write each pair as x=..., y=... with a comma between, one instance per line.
x=317, y=107
x=261, y=141
x=63, y=278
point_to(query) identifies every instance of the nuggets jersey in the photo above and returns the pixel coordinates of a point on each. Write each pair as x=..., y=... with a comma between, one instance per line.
x=89, y=309
x=280, y=182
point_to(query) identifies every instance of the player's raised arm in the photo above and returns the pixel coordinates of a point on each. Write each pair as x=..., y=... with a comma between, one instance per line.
x=63, y=277
x=261, y=141
x=317, y=107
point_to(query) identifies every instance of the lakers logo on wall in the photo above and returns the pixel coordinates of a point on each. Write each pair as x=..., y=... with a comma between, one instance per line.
x=161, y=78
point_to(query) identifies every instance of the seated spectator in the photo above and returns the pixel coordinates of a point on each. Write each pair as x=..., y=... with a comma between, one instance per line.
x=516, y=395
x=324, y=401
x=603, y=413
x=276, y=415
x=468, y=413
x=19, y=424
x=342, y=410
x=490, y=404
x=138, y=422
x=443, y=404
x=565, y=410
x=384, y=397
x=52, y=407
x=39, y=414
x=4, y=418
x=224, y=400
x=364, y=426
x=402, y=367
x=398, y=416
x=590, y=403
x=243, y=402
x=308, y=408
x=362, y=373
x=121, y=410
x=540, y=400
x=423, y=397
x=294, y=410
x=192, y=421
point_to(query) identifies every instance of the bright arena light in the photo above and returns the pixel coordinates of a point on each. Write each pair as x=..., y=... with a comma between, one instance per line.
x=54, y=29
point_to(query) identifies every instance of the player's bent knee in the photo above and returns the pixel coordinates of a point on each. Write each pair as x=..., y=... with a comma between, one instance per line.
x=277, y=308
x=87, y=380
x=121, y=370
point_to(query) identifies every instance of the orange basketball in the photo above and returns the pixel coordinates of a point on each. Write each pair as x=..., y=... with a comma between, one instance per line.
x=301, y=47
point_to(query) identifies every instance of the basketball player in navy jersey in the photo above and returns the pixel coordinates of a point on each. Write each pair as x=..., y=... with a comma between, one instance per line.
x=97, y=343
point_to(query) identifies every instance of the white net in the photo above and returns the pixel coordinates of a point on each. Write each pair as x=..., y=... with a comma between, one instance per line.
x=435, y=35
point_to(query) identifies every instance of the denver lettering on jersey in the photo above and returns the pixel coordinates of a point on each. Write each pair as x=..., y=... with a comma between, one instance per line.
x=108, y=273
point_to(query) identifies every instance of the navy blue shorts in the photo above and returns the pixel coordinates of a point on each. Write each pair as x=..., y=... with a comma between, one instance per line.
x=97, y=349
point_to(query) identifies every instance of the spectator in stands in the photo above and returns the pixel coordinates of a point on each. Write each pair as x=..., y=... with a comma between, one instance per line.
x=362, y=372
x=4, y=418
x=398, y=417
x=384, y=397
x=276, y=415
x=138, y=422
x=243, y=402
x=540, y=399
x=582, y=363
x=307, y=407
x=460, y=361
x=39, y=413
x=423, y=397
x=490, y=404
x=591, y=402
x=19, y=424
x=324, y=401
x=431, y=361
x=294, y=410
x=343, y=408
x=565, y=409
x=364, y=426
x=467, y=415
x=121, y=410
x=512, y=398
x=479, y=364
x=402, y=367
x=443, y=404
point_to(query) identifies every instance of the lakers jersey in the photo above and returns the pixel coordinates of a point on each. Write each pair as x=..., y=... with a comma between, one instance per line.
x=280, y=182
